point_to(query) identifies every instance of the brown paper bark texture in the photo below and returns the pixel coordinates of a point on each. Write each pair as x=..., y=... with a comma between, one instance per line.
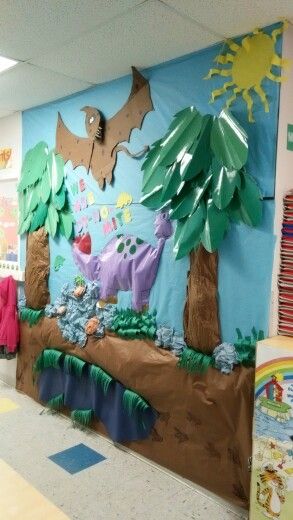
x=201, y=321
x=37, y=269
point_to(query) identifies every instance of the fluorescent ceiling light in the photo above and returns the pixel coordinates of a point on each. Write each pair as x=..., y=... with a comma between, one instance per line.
x=6, y=63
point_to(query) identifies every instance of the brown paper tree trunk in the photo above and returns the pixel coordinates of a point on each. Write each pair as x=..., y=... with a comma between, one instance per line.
x=37, y=269
x=201, y=320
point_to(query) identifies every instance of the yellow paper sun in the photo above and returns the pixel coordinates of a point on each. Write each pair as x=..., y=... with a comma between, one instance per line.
x=251, y=63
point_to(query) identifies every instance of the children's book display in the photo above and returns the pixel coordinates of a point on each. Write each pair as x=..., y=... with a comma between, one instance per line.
x=272, y=461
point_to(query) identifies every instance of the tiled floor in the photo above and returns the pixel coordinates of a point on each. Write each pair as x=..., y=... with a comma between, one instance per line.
x=120, y=487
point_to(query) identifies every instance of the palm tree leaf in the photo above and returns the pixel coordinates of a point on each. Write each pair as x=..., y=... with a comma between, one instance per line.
x=39, y=216
x=45, y=185
x=198, y=158
x=59, y=198
x=188, y=232
x=51, y=220
x=216, y=225
x=229, y=141
x=225, y=182
x=250, y=197
x=172, y=182
x=153, y=199
x=34, y=164
x=156, y=178
x=56, y=170
x=66, y=224
x=25, y=224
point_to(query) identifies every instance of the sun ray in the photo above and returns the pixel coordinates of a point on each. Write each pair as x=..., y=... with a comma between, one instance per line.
x=248, y=99
x=274, y=77
x=232, y=98
x=225, y=58
x=280, y=62
x=232, y=45
x=259, y=90
x=279, y=31
x=218, y=92
x=221, y=72
x=246, y=43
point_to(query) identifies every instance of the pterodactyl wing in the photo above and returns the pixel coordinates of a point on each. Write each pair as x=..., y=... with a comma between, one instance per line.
x=71, y=147
x=131, y=115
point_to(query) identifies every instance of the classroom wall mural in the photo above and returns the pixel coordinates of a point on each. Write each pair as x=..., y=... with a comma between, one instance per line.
x=149, y=260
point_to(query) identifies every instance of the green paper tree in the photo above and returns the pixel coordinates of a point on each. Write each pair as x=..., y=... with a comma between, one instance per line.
x=43, y=194
x=198, y=169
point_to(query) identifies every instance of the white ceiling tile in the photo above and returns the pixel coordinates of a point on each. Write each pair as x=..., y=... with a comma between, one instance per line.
x=5, y=113
x=25, y=86
x=233, y=17
x=28, y=28
x=147, y=35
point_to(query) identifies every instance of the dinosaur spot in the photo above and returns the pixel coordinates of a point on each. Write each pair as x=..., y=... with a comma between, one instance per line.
x=132, y=250
x=128, y=242
x=120, y=247
x=125, y=255
x=139, y=241
x=120, y=235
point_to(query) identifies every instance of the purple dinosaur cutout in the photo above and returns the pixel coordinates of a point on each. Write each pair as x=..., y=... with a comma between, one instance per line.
x=126, y=263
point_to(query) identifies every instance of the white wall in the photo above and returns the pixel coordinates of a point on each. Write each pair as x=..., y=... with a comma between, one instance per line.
x=284, y=168
x=11, y=137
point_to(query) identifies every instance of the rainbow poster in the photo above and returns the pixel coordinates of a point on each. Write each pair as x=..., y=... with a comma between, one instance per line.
x=281, y=368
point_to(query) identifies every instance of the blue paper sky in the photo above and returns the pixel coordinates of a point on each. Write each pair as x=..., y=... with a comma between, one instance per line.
x=245, y=258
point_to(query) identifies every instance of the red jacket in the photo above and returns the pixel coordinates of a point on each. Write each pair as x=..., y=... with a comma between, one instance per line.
x=9, y=324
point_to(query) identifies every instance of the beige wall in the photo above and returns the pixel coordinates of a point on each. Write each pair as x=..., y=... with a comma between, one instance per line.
x=284, y=168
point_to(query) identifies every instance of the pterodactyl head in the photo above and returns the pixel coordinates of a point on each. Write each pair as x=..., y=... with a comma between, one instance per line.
x=94, y=123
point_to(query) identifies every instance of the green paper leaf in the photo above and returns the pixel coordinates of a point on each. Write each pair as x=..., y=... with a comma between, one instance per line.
x=33, y=198
x=181, y=134
x=39, y=217
x=51, y=220
x=172, y=182
x=216, y=225
x=34, y=164
x=153, y=200
x=66, y=224
x=24, y=227
x=234, y=209
x=224, y=184
x=250, y=197
x=45, y=185
x=188, y=232
x=59, y=198
x=56, y=169
x=198, y=158
x=150, y=182
x=229, y=141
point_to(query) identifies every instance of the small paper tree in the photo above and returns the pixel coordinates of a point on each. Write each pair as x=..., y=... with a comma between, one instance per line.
x=42, y=193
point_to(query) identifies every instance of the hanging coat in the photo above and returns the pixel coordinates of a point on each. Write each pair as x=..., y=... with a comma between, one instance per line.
x=9, y=324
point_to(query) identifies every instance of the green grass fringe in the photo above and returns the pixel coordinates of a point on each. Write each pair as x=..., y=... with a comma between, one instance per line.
x=245, y=347
x=194, y=361
x=74, y=365
x=130, y=324
x=132, y=401
x=49, y=358
x=100, y=377
x=32, y=316
x=83, y=417
x=56, y=402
